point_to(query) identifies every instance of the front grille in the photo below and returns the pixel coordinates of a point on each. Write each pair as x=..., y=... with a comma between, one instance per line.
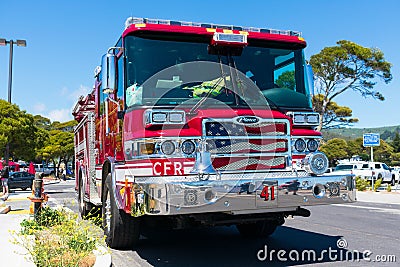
x=240, y=146
x=237, y=146
x=229, y=128
x=248, y=163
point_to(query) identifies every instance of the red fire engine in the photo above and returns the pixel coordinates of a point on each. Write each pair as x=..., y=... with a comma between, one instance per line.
x=194, y=124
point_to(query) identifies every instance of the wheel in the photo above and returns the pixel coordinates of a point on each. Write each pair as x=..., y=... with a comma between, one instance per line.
x=85, y=208
x=258, y=229
x=393, y=182
x=120, y=228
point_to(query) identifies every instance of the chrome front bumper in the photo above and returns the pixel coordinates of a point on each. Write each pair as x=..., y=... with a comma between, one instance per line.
x=241, y=193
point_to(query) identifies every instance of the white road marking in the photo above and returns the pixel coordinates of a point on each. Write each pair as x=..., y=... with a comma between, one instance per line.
x=385, y=210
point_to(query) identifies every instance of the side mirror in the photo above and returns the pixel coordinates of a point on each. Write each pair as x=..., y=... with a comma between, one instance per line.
x=108, y=67
x=310, y=78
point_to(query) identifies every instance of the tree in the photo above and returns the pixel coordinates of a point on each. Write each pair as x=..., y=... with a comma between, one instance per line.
x=42, y=122
x=286, y=80
x=348, y=66
x=67, y=126
x=396, y=143
x=335, y=116
x=355, y=147
x=383, y=152
x=18, y=130
x=59, y=148
x=335, y=149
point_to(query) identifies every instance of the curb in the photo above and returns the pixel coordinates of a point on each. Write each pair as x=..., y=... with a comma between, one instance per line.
x=4, y=210
x=103, y=257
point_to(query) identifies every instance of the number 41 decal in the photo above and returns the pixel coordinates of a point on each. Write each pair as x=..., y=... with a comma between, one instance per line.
x=268, y=193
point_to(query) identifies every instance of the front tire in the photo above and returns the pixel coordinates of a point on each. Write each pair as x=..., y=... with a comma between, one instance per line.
x=120, y=228
x=84, y=207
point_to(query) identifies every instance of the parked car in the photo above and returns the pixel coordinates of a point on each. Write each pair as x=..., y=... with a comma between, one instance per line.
x=329, y=170
x=396, y=172
x=376, y=170
x=23, y=180
x=44, y=169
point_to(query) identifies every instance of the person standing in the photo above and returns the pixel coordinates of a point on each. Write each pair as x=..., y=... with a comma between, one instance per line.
x=4, y=180
x=64, y=174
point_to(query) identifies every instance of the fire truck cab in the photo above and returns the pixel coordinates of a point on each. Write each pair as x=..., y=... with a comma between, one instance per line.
x=193, y=124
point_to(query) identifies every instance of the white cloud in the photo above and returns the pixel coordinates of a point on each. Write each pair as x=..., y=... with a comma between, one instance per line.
x=82, y=90
x=39, y=108
x=65, y=105
x=61, y=115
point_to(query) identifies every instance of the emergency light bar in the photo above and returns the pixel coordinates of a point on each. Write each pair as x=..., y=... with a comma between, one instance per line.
x=133, y=20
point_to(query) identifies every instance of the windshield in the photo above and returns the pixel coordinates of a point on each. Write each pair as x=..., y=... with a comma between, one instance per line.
x=343, y=167
x=277, y=73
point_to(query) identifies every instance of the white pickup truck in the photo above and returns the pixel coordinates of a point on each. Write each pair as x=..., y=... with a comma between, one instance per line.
x=347, y=168
x=376, y=170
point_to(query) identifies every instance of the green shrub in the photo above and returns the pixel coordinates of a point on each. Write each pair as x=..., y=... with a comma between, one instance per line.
x=60, y=238
x=361, y=183
x=389, y=188
x=377, y=184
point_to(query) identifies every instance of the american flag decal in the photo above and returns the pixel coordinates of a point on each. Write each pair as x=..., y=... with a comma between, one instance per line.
x=237, y=146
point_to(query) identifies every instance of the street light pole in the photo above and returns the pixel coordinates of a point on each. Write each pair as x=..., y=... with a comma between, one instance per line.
x=11, y=42
x=4, y=42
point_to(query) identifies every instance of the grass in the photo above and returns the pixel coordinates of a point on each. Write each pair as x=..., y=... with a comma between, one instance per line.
x=58, y=238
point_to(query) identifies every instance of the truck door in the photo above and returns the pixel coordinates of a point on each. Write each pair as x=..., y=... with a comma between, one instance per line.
x=112, y=105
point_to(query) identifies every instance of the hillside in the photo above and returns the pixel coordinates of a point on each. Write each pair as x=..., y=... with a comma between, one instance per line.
x=387, y=133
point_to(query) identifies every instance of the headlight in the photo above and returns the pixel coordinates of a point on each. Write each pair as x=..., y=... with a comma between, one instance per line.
x=299, y=118
x=146, y=148
x=304, y=118
x=167, y=147
x=313, y=118
x=188, y=147
x=316, y=163
x=176, y=117
x=300, y=145
x=159, y=117
x=312, y=145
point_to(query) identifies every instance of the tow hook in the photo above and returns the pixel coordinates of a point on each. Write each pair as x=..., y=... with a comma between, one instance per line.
x=300, y=212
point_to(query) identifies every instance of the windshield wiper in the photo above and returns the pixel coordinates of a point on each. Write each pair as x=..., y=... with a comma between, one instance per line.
x=194, y=109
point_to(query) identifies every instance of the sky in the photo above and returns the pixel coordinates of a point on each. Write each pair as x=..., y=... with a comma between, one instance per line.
x=66, y=39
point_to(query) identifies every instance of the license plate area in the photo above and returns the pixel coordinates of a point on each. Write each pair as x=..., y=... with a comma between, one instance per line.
x=267, y=194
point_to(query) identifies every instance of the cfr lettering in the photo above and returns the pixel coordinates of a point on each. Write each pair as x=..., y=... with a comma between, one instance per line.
x=167, y=168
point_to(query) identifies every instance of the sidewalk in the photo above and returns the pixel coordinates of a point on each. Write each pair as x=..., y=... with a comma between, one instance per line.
x=379, y=197
x=12, y=255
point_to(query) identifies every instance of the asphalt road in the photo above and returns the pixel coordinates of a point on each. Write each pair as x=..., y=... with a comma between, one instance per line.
x=367, y=234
